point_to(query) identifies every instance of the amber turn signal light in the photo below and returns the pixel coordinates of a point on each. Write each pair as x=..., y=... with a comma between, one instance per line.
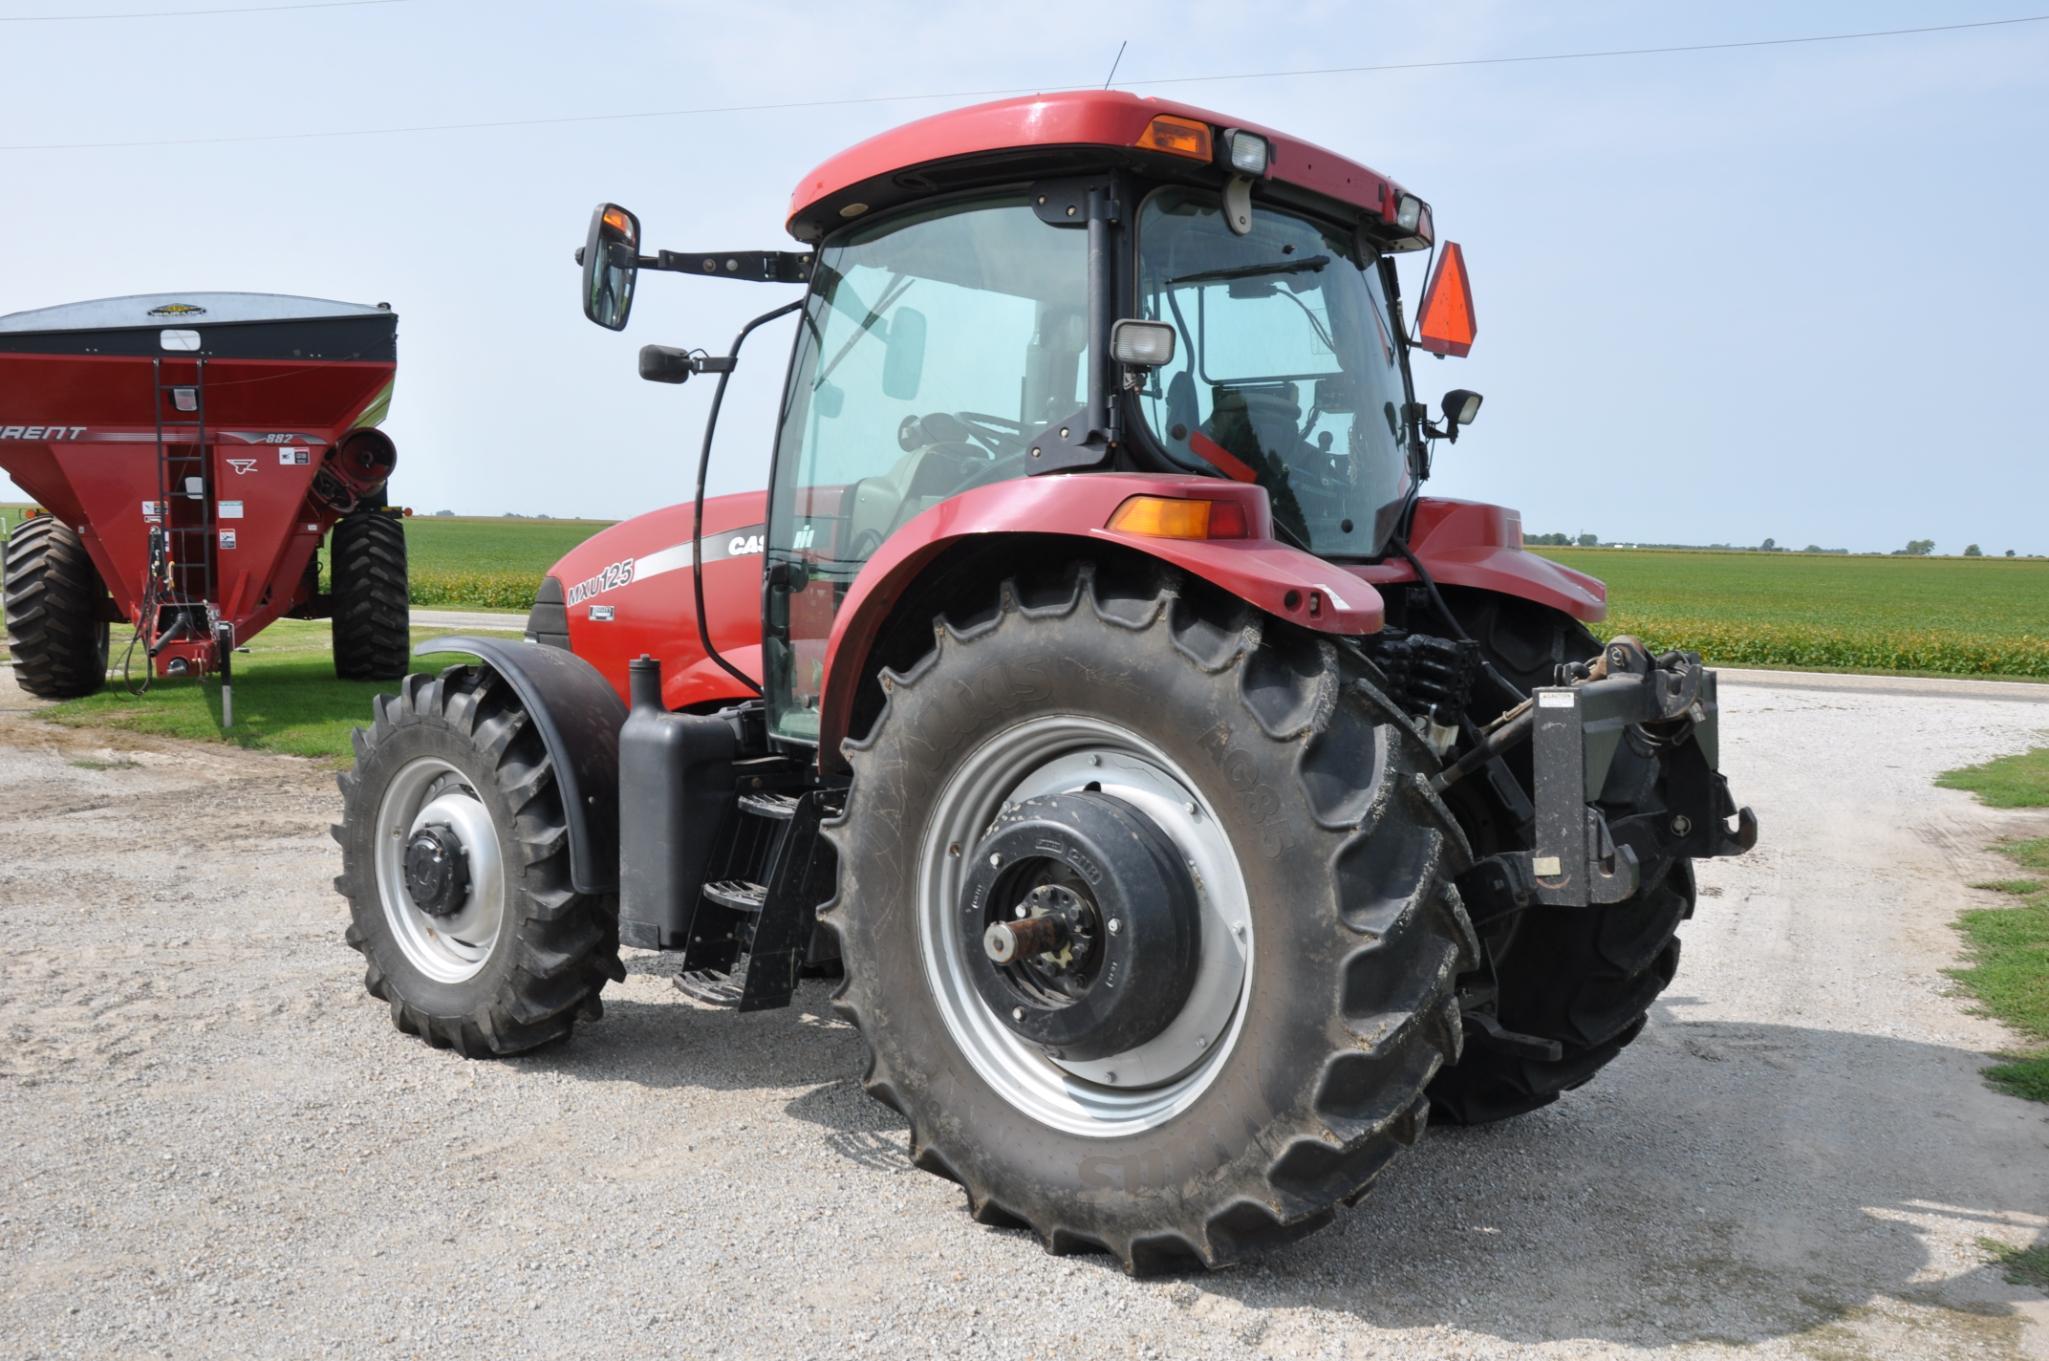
x=1178, y=137
x=1174, y=517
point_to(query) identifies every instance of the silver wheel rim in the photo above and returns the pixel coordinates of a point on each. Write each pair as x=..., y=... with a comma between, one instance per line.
x=1148, y=1085
x=427, y=792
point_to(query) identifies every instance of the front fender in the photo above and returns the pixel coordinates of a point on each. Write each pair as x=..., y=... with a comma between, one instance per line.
x=1269, y=575
x=1479, y=546
x=578, y=715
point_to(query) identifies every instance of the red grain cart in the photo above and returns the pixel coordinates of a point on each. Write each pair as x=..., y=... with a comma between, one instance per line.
x=189, y=453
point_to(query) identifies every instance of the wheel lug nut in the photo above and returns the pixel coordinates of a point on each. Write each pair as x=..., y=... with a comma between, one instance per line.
x=1113, y=926
x=1017, y=1013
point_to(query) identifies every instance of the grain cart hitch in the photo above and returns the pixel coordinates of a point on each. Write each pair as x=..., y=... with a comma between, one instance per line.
x=1626, y=730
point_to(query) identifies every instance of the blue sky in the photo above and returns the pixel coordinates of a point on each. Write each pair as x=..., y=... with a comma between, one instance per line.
x=1793, y=292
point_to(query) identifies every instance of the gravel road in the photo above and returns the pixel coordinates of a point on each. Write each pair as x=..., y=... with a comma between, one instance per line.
x=216, y=1145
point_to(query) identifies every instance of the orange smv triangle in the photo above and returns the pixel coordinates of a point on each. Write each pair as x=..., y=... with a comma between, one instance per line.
x=1448, y=326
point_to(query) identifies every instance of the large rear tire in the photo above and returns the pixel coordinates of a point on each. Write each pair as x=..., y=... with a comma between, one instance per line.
x=1585, y=976
x=56, y=611
x=371, y=607
x=1329, y=938
x=482, y=946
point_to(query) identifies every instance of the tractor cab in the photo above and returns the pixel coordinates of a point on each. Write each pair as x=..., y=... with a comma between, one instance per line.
x=1075, y=283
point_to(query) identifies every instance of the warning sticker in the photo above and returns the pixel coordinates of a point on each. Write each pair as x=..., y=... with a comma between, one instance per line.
x=294, y=458
x=151, y=510
x=231, y=510
x=227, y=538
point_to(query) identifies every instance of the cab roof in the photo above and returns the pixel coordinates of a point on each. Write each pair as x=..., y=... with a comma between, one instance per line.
x=896, y=165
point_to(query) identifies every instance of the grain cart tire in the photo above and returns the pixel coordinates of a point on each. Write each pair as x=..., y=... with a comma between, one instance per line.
x=55, y=603
x=371, y=608
x=1317, y=998
x=455, y=863
x=1585, y=977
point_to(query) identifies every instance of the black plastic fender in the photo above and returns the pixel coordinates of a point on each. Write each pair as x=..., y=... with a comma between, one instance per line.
x=578, y=715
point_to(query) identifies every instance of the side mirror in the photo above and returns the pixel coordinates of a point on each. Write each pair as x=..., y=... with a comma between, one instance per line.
x=611, y=262
x=1142, y=344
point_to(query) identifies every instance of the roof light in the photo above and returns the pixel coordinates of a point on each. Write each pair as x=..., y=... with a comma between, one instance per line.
x=1248, y=152
x=1408, y=213
x=1177, y=137
x=1173, y=517
x=1447, y=325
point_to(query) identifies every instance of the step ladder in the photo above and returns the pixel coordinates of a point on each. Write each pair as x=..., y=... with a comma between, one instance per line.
x=738, y=956
x=185, y=503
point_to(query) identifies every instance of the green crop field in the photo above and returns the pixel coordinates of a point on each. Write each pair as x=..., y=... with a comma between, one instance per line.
x=1950, y=616
x=486, y=564
x=1946, y=616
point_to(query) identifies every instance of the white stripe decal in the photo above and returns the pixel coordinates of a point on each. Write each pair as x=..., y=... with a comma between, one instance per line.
x=670, y=559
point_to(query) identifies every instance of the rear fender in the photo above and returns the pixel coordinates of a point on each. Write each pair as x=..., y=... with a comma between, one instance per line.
x=578, y=715
x=1269, y=575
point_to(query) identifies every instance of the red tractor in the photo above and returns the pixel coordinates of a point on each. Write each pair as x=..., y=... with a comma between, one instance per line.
x=1190, y=807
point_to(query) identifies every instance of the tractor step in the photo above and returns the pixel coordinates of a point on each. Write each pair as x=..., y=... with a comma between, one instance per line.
x=713, y=987
x=738, y=894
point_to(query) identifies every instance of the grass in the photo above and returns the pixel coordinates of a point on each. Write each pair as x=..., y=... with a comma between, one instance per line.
x=2020, y=781
x=286, y=699
x=2008, y=946
x=2024, y=1266
x=1941, y=616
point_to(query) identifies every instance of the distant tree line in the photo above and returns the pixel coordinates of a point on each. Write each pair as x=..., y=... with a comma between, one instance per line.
x=1916, y=548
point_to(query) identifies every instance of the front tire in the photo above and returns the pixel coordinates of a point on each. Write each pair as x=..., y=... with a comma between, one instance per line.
x=55, y=603
x=1308, y=1066
x=1583, y=976
x=493, y=953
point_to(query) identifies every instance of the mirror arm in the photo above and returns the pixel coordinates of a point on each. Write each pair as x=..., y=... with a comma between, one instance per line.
x=751, y=266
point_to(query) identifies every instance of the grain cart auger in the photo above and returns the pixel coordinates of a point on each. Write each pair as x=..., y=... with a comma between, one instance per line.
x=192, y=451
x=1188, y=806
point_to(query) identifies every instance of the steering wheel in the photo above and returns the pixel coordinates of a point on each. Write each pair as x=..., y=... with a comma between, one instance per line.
x=999, y=434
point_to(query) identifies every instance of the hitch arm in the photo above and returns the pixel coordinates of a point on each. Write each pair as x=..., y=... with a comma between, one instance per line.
x=1661, y=708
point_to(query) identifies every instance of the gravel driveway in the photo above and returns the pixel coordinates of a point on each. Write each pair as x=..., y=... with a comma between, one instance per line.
x=216, y=1145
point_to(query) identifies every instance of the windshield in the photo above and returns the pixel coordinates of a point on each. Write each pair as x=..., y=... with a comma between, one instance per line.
x=1285, y=372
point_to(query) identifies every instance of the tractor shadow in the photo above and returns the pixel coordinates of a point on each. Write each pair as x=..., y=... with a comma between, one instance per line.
x=1722, y=1182
x=674, y=1042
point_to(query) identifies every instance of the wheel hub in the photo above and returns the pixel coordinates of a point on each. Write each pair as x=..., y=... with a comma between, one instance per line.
x=1082, y=927
x=437, y=870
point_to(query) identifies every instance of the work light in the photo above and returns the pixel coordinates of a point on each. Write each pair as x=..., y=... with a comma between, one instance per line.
x=1248, y=152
